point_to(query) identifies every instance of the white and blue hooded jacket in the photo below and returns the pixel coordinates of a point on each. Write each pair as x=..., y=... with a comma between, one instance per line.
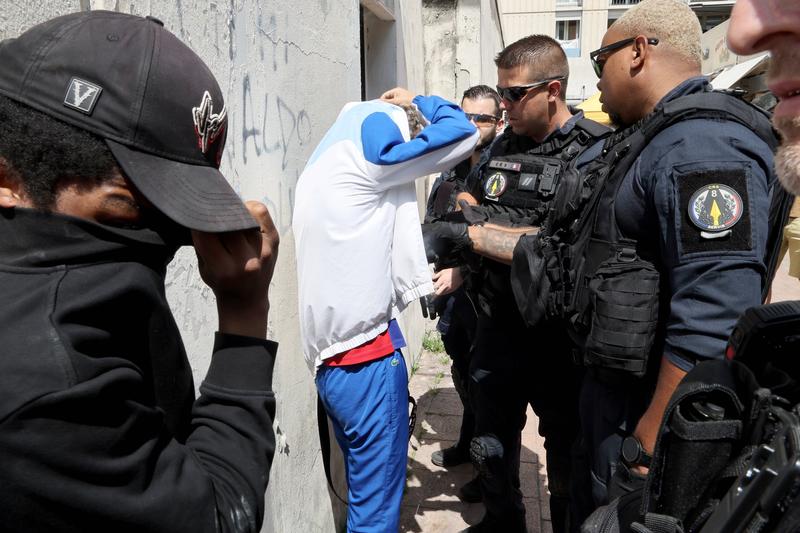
x=360, y=257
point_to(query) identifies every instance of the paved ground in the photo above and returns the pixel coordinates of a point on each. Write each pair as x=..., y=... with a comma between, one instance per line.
x=430, y=503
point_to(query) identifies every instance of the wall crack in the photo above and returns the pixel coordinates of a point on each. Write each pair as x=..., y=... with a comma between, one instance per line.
x=279, y=40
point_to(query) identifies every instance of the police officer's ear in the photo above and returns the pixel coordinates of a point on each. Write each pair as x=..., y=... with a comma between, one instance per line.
x=10, y=186
x=501, y=124
x=554, y=91
x=640, y=52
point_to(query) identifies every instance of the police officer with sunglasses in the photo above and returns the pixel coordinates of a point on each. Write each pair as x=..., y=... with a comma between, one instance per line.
x=513, y=366
x=457, y=315
x=695, y=203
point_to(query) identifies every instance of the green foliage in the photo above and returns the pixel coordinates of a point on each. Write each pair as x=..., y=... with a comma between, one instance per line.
x=433, y=342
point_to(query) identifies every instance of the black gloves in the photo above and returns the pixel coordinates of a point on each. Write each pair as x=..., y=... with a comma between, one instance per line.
x=429, y=306
x=444, y=242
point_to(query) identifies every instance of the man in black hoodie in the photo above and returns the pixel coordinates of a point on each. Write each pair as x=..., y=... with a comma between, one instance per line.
x=111, y=133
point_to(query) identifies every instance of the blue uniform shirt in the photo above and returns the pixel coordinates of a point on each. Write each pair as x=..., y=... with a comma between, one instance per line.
x=709, y=282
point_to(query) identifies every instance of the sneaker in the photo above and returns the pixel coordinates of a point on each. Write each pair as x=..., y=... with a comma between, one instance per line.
x=452, y=456
x=470, y=492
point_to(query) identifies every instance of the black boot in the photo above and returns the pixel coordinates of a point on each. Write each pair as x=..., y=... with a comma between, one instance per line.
x=452, y=456
x=470, y=492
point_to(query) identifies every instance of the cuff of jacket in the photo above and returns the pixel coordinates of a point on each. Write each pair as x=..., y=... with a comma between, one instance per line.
x=416, y=293
x=240, y=362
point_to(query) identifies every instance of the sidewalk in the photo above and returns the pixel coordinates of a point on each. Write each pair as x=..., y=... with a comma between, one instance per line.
x=430, y=504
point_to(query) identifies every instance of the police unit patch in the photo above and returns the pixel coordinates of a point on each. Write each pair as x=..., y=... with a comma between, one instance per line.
x=715, y=208
x=82, y=95
x=495, y=185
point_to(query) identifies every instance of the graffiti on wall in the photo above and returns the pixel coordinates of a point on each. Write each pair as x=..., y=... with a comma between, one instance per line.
x=261, y=55
x=270, y=124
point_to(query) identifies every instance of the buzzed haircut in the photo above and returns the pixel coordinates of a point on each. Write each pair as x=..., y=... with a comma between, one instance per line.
x=543, y=56
x=671, y=21
x=478, y=92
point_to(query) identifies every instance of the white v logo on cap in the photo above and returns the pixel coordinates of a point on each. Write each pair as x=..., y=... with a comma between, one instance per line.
x=82, y=95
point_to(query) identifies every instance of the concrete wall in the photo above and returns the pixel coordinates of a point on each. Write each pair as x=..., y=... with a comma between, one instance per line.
x=461, y=40
x=462, y=37
x=286, y=68
x=492, y=38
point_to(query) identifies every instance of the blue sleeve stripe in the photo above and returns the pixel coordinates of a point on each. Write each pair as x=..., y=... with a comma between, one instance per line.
x=379, y=136
x=383, y=143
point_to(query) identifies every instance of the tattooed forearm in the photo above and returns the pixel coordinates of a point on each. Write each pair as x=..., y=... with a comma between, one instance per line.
x=497, y=242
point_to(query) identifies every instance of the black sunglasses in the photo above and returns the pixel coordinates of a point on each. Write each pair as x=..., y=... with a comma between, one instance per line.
x=482, y=119
x=517, y=92
x=598, y=64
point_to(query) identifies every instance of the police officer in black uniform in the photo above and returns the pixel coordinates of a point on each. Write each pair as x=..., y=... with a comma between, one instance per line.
x=696, y=203
x=456, y=309
x=513, y=365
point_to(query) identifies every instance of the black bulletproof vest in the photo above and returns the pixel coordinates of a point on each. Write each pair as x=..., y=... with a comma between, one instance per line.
x=521, y=178
x=584, y=270
x=518, y=183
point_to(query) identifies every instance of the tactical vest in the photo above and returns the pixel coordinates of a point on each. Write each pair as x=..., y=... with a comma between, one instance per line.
x=519, y=182
x=582, y=269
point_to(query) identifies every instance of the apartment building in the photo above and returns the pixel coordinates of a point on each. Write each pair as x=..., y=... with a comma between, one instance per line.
x=579, y=26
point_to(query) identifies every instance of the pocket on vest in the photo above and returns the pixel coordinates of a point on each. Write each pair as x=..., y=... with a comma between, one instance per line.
x=624, y=310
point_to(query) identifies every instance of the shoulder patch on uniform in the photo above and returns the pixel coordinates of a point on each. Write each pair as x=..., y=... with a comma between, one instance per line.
x=715, y=207
x=715, y=204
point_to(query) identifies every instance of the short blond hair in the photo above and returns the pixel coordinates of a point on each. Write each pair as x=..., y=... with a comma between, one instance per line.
x=671, y=21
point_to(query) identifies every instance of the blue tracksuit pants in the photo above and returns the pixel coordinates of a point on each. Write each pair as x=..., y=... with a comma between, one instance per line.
x=368, y=405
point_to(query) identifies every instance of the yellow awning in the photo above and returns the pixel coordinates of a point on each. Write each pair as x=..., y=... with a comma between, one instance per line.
x=592, y=109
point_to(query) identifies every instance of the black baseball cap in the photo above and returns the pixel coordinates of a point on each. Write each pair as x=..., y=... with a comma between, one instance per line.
x=151, y=98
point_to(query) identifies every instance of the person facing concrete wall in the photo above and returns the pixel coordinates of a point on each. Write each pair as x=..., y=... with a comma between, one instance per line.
x=107, y=167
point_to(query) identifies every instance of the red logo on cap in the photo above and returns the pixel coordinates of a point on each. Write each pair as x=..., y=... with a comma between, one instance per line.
x=208, y=125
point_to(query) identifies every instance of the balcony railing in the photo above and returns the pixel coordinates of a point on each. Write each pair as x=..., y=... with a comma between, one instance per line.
x=624, y=2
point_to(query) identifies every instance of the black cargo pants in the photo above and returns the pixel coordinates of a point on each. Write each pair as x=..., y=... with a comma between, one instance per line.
x=457, y=328
x=609, y=411
x=513, y=366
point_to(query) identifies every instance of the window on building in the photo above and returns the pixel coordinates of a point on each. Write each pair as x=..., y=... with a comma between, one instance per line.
x=708, y=22
x=568, y=34
x=570, y=3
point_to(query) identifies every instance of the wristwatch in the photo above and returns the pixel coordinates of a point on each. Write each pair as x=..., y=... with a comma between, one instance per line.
x=634, y=454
